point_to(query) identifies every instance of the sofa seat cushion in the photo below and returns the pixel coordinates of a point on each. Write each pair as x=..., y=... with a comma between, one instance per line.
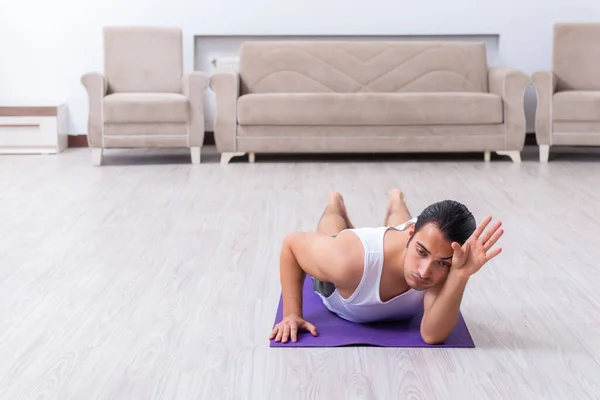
x=145, y=107
x=576, y=106
x=369, y=109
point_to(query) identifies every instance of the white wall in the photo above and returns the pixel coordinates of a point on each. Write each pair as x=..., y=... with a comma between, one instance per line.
x=45, y=47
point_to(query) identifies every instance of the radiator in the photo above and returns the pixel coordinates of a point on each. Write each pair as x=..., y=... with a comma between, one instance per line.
x=225, y=63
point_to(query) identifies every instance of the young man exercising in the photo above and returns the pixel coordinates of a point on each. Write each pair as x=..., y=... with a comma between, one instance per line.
x=389, y=272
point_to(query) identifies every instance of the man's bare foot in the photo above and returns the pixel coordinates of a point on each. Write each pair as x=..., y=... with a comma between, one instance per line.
x=396, y=193
x=395, y=203
x=395, y=199
x=336, y=201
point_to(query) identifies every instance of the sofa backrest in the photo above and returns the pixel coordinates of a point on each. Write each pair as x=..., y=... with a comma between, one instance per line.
x=362, y=66
x=576, y=56
x=143, y=59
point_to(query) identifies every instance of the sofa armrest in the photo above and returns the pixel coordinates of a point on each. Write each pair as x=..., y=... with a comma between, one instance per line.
x=193, y=86
x=510, y=84
x=226, y=85
x=544, y=83
x=97, y=87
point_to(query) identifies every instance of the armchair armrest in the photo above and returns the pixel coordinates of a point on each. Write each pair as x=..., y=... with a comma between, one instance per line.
x=511, y=84
x=226, y=85
x=544, y=83
x=193, y=86
x=97, y=87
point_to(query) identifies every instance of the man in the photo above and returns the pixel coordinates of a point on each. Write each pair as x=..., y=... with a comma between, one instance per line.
x=388, y=272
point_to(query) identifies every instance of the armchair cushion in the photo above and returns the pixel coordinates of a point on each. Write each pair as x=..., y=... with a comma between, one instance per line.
x=576, y=106
x=576, y=56
x=369, y=109
x=145, y=107
x=141, y=59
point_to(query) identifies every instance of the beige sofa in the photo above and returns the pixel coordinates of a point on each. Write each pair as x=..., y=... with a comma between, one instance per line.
x=568, y=108
x=368, y=96
x=142, y=99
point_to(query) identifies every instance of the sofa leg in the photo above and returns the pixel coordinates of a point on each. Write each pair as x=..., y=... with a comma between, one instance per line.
x=544, y=153
x=514, y=155
x=252, y=157
x=97, y=156
x=226, y=157
x=487, y=156
x=196, y=154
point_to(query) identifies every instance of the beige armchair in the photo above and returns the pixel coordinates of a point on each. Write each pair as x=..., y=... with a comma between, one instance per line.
x=143, y=99
x=568, y=108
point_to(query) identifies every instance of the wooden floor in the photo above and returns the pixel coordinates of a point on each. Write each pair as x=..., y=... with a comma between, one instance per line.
x=151, y=278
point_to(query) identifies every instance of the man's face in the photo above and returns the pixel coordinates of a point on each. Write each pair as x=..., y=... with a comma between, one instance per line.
x=428, y=258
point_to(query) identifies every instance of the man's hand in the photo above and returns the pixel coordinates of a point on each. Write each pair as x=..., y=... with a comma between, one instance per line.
x=469, y=258
x=288, y=328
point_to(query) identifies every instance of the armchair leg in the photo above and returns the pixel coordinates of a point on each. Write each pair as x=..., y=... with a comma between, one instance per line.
x=544, y=153
x=514, y=155
x=487, y=156
x=195, y=153
x=97, y=156
x=252, y=157
x=226, y=157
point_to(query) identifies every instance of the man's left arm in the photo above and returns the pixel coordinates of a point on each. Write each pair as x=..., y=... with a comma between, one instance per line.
x=442, y=303
x=442, y=306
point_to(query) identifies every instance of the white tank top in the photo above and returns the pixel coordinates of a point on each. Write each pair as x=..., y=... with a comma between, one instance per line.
x=365, y=305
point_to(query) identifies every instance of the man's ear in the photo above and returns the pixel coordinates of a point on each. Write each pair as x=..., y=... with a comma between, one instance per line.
x=411, y=232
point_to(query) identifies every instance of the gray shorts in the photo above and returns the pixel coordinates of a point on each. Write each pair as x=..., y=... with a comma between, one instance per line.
x=325, y=289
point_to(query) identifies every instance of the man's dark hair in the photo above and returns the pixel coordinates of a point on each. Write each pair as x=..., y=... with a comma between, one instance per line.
x=451, y=217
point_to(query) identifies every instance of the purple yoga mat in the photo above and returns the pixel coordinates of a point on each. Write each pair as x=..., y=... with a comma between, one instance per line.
x=334, y=331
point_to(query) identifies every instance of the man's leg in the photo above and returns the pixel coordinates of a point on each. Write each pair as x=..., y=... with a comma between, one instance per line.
x=335, y=218
x=333, y=221
x=396, y=212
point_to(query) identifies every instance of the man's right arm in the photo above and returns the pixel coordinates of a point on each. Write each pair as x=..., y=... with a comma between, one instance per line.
x=313, y=253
